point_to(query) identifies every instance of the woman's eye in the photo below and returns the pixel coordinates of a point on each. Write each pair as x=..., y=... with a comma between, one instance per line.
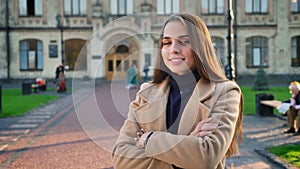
x=166, y=43
x=186, y=42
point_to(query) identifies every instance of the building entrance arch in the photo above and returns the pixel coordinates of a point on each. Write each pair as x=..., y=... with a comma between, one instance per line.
x=119, y=58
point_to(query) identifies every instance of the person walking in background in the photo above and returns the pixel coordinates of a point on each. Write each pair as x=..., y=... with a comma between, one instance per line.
x=190, y=115
x=131, y=79
x=146, y=70
x=59, y=69
x=294, y=109
x=61, y=83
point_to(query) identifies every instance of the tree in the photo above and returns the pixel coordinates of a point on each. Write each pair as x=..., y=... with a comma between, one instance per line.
x=261, y=80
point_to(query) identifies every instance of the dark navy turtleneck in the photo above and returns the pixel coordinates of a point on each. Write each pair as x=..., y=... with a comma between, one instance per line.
x=181, y=89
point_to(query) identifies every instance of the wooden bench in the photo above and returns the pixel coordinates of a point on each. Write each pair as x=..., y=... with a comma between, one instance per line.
x=282, y=107
x=271, y=103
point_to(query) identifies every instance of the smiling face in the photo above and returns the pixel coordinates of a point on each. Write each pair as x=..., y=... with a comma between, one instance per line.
x=294, y=89
x=176, y=48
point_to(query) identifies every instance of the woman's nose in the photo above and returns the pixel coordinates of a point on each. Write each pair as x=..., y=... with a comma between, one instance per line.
x=175, y=48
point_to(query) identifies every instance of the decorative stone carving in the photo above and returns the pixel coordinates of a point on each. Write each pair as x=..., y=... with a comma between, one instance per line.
x=97, y=9
x=145, y=7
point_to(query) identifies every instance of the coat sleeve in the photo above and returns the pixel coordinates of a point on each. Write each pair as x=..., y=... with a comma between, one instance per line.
x=126, y=155
x=201, y=152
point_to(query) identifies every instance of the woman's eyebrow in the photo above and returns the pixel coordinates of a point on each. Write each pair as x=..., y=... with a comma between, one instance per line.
x=179, y=37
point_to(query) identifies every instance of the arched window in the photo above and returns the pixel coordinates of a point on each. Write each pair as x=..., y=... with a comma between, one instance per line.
x=257, y=52
x=219, y=46
x=75, y=54
x=295, y=51
x=31, y=54
x=122, y=49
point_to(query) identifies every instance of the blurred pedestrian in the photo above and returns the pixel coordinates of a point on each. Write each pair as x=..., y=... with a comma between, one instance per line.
x=131, y=79
x=146, y=70
x=61, y=83
x=59, y=69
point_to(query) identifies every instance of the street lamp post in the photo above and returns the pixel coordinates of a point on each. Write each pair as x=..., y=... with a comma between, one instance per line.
x=230, y=68
x=60, y=26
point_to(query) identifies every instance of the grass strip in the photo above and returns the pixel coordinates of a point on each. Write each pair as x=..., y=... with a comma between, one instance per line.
x=290, y=153
x=16, y=104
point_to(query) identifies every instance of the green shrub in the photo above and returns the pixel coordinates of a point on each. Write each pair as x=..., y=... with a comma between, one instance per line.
x=261, y=80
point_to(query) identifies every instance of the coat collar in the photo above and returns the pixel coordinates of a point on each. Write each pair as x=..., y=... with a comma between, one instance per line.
x=203, y=90
x=194, y=111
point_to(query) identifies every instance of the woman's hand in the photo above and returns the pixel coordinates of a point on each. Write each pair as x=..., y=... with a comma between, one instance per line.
x=142, y=138
x=204, y=128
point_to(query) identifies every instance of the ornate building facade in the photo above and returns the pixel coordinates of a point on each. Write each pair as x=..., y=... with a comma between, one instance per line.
x=103, y=38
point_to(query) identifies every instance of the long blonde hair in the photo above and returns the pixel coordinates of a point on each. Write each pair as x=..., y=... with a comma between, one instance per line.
x=207, y=63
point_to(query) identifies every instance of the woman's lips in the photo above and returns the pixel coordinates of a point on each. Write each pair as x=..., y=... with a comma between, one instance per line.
x=176, y=60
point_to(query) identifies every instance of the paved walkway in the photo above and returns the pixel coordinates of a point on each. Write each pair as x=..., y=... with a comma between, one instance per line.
x=259, y=133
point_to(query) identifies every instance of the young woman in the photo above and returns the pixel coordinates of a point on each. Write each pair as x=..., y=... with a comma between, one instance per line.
x=190, y=115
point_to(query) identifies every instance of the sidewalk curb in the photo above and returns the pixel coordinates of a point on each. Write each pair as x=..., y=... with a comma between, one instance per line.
x=275, y=159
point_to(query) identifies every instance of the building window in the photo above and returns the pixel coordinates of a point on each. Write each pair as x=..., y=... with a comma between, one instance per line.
x=110, y=65
x=257, y=52
x=295, y=6
x=256, y=6
x=31, y=55
x=121, y=7
x=30, y=7
x=75, y=7
x=295, y=51
x=212, y=6
x=126, y=65
x=219, y=46
x=76, y=54
x=167, y=6
x=122, y=49
x=148, y=58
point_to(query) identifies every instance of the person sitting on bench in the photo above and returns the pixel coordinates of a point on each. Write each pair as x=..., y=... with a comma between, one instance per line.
x=294, y=109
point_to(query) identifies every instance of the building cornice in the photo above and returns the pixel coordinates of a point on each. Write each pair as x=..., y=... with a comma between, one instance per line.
x=43, y=29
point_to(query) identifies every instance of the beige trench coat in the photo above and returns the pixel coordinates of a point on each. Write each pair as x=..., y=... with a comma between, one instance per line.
x=148, y=111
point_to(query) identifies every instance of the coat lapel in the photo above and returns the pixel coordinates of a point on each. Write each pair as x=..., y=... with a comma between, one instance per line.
x=156, y=100
x=154, y=109
x=195, y=110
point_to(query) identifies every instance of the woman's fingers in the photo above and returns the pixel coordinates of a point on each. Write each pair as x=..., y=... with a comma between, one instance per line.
x=205, y=121
x=203, y=133
x=205, y=126
x=208, y=127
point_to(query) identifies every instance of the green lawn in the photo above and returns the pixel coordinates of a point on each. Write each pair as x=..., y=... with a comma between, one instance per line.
x=290, y=153
x=279, y=93
x=16, y=104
